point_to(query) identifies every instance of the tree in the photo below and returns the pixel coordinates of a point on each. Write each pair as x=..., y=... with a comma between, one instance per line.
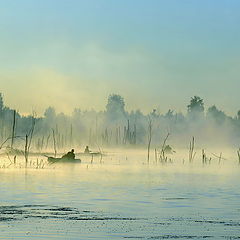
x=1, y=104
x=50, y=113
x=196, y=105
x=238, y=115
x=115, y=106
x=170, y=114
x=196, y=108
x=217, y=115
x=50, y=118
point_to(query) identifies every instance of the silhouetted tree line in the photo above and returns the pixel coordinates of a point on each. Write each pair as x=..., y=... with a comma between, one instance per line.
x=117, y=127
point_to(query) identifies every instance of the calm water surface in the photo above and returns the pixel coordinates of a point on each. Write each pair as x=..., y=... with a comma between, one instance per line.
x=121, y=198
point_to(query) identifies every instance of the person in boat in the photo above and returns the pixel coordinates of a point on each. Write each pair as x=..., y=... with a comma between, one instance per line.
x=86, y=150
x=69, y=155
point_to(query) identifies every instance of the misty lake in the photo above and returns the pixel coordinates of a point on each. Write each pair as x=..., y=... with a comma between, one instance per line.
x=121, y=198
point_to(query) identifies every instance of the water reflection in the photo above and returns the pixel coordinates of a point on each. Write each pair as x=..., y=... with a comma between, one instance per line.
x=120, y=199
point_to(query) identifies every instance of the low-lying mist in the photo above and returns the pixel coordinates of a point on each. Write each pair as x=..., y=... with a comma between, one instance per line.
x=118, y=129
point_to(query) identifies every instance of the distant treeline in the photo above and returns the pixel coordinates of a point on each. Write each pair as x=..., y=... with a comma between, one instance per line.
x=115, y=127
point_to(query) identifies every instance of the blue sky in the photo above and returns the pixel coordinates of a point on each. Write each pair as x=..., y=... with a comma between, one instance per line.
x=155, y=53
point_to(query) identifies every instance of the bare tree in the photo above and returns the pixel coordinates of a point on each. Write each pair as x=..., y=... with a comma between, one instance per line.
x=9, y=138
x=13, y=127
x=28, y=139
x=149, y=137
x=54, y=143
x=191, y=150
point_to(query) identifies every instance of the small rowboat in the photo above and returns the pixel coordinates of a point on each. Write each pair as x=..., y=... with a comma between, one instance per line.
x=63, y=160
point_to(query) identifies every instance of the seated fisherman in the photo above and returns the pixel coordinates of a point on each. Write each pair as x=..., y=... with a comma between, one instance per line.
x=87, y=150
x=69, y=155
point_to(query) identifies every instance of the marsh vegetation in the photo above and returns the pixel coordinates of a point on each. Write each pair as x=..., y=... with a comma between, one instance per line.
x=157, y=176
x=117, y=128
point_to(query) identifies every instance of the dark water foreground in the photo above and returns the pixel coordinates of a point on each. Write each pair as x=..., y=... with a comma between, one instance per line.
x=120, y=202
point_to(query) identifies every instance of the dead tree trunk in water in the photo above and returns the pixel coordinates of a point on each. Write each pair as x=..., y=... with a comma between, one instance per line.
x=149, y=137
x=191, y=150
x=26, y=150
x=54, y=143
x=47, y=141
x=28, y=140
x=13, y=128
x=135, y=135
x=117, y=136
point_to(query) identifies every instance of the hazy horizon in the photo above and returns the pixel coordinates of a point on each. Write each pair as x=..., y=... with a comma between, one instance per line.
x=39, y=111
x=156, y=54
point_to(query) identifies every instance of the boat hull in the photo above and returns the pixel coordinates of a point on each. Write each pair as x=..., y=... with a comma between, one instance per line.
x=63, y=160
